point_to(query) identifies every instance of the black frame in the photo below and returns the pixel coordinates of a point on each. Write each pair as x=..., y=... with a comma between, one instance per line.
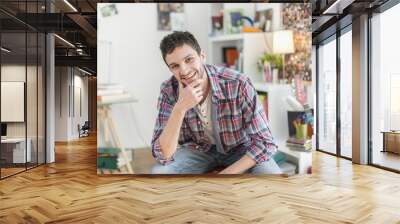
x=339, y=31
x=333, y=37
x=387, y=5
x=44, y=81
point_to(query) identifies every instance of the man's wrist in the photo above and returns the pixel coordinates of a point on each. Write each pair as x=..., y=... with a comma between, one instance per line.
x=240, y=166
x=179, y=108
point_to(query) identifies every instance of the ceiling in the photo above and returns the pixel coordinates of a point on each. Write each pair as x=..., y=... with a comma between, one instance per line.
x=74, y=21
x=330, y=15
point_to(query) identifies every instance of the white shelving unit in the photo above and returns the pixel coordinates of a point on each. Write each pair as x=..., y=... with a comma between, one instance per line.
x=251, y=46
x=278, y=108
x=278, y=120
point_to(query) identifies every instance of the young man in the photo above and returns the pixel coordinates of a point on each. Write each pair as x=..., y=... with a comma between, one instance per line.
x=208, y=117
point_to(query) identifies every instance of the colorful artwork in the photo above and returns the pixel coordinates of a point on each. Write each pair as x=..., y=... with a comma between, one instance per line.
x=231, y=24
x=297, y=17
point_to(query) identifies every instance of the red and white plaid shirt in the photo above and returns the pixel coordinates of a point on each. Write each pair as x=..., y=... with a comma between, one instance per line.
x=238, y=118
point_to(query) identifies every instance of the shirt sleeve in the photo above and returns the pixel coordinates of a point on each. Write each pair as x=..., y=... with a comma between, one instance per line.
x=164, y=108
x=256, y=125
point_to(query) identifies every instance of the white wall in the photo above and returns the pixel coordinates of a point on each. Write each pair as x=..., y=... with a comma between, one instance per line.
x=61, y=103
x=33, y=126
x=128, y=53
x=66, y=121
x=12, y=73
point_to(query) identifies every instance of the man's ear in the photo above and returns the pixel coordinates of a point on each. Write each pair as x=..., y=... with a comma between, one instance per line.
x=203, y=56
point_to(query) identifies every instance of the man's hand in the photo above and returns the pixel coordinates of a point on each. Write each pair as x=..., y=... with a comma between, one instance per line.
x=190, y=96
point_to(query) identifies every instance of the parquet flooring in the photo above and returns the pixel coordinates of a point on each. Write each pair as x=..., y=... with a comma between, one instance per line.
x=70, y=191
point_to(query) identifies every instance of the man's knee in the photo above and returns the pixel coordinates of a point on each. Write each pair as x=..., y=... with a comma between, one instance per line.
x=267, y=167
x=163, y=169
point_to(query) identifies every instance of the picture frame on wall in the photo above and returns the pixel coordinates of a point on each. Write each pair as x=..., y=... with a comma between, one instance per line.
x=231, y=18
x=170, y=16
x=217, y=24
x=263, y=20
x=230, y=56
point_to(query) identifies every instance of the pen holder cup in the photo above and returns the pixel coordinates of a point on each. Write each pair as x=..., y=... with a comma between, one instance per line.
x=301, y=131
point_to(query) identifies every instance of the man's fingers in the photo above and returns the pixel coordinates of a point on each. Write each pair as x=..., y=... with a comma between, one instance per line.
x=198, y=89
x=195, y=83
x=200, y=93
x=183, y=83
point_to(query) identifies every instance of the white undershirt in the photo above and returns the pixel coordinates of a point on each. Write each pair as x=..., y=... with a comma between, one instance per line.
x=204, y=112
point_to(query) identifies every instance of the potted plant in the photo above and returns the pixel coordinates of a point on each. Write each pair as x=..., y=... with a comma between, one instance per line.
x=270, y=65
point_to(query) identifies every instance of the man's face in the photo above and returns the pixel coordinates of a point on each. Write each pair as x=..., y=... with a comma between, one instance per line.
x=186, y=64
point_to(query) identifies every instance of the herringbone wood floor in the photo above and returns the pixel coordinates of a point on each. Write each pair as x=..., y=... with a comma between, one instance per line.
x=70, y=191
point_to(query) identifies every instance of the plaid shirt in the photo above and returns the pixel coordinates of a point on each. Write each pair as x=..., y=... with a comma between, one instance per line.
x=238, y=118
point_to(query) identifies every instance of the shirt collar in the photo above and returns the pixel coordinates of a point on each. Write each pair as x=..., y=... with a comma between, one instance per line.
x=212, y=74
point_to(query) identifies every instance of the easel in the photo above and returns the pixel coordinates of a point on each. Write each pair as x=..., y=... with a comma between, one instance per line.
x=107, y=126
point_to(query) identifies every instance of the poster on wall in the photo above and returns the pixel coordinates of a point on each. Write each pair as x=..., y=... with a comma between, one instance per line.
x=170, y=16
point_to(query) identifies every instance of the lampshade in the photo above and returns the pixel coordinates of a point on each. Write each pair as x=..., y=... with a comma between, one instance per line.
x=282, y=42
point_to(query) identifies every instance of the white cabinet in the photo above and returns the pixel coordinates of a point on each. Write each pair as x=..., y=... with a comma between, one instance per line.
x=278, y=116
x=17, y=147
x=302, y=160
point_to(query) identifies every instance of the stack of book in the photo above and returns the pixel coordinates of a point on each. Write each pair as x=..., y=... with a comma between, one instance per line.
x=107, y=158
x=112, y=92
x=304, y=145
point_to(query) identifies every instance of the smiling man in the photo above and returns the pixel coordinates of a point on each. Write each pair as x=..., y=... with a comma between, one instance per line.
x=208, y=117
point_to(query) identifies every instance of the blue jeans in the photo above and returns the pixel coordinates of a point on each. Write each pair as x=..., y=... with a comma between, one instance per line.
x=188, y=161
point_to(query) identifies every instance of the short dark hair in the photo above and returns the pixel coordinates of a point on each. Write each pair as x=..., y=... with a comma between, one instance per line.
x=177, y=39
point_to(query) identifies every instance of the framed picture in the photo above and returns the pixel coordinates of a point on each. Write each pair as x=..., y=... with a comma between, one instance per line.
x=170, y=16
x=263, y=20
x=230, y=56
x=217, y=22
x=109, y=10
x=164, y=21
x=232, y=20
